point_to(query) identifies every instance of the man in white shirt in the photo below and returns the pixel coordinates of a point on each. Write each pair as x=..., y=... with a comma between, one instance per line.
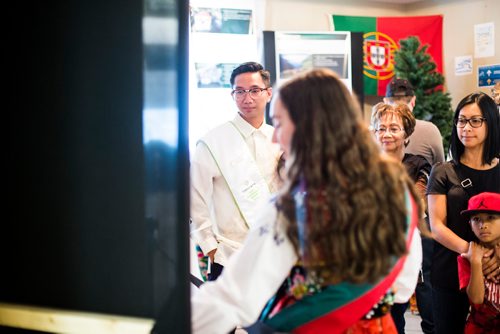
x=233, y=170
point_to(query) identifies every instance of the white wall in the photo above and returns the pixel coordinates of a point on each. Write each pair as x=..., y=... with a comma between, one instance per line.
x=460, y=16
x=458, y=38
x=314, y=14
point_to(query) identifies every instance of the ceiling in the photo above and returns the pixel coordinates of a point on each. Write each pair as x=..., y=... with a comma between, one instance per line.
x=397, y=1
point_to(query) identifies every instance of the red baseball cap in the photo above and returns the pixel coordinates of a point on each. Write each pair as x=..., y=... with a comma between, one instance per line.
x=484, y=202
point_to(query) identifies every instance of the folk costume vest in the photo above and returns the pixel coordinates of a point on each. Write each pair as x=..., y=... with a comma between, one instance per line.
x=336, y=308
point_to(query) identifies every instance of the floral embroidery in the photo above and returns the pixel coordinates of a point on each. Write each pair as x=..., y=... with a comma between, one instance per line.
x=278, y=239
x=263, y=230
x=301, y=285
x=202, y=263
x=382, y=307
x=297, y=286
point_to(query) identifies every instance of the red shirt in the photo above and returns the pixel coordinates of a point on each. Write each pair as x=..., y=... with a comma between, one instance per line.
x=485, y=317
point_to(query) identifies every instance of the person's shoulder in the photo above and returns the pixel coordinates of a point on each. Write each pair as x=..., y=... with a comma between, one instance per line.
x=443, y=169
x=417, y=163
x=416, y=157
x=463, y=264
x=444, y=164
x=429, y=126
x=423, y=162
x=220, y=127
x=267, y=129
x=442, y=178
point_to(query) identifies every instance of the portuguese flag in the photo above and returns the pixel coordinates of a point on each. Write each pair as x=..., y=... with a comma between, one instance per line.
x=381, y=39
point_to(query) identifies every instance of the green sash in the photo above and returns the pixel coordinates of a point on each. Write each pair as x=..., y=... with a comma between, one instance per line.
x=338, y=307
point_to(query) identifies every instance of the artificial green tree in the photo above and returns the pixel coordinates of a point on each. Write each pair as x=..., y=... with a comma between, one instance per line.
x=412, y=62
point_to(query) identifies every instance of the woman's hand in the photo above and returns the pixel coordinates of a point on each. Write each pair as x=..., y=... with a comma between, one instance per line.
x=475, y=253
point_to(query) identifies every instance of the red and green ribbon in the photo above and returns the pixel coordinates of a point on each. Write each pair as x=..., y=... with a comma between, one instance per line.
x=340, y=306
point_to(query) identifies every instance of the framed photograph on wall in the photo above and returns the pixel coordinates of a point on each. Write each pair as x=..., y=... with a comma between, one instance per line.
x=299, y=51
x=221, y=20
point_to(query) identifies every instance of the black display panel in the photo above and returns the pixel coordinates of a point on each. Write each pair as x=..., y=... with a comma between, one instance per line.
x=97, y=212
x=287, y=53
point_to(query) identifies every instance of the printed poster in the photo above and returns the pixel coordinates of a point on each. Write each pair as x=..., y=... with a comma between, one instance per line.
x=300, y=51
x=221, y=20
x=484, y=40
x=488, y=75
x=214, y=75
x=463, y=65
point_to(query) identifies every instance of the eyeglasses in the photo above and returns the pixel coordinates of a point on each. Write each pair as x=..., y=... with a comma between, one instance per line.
x=239, y=94
x=475, y=122
x=393, y=130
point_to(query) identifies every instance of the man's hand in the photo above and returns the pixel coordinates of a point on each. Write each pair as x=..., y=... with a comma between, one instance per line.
x=211, y=255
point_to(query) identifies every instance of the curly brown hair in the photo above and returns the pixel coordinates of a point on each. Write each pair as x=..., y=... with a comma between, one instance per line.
x=355, y=199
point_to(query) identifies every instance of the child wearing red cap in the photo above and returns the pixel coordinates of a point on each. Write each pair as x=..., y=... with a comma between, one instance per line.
x=484, y=217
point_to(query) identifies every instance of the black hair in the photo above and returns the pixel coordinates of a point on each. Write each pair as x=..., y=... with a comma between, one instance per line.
x=251, y=67
x=489, y=111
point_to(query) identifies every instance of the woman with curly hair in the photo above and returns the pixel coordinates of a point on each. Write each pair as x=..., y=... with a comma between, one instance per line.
x=335, y=238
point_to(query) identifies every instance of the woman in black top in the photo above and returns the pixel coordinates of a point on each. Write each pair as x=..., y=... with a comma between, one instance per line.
x=475, y=149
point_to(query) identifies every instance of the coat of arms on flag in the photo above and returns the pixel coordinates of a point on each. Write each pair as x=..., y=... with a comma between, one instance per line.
x=377, y=54
x=381, y=36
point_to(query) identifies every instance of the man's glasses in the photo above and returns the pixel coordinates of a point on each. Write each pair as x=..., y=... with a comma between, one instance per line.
x=393, y=130
x=239, y=94
x=475, y=122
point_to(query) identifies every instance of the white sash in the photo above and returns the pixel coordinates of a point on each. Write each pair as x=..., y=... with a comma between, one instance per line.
x=240, y=171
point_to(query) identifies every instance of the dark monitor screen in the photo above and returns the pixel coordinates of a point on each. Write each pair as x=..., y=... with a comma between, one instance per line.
x=97, y=214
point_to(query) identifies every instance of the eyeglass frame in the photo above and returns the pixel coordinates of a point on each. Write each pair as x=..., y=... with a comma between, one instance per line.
x=247, y=92
x=469, y=120
x=380, y=132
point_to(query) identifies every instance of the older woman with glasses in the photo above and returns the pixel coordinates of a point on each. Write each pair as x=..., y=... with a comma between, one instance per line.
x=475, y=150
x=392, y=126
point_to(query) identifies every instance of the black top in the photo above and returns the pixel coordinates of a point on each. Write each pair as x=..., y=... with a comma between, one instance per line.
x=444, y=180
x=416, y=165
